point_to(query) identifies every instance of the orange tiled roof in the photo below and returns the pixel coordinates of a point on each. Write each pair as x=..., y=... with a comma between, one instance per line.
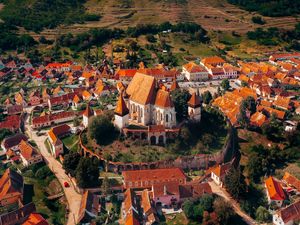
x=86, y=94
x=155, y=174
x=278, y=113
x=282, y=102
x=121, y=108
x=26, y=150
x=142, y=89
x=174, y=85
x=194, y=101
x=213, y=60
x=274, y=189
x=88, y=112
x=258, y=119
x=35, y=219
x=126, y=72
x=221, y=170
x=163, y=99
x=192, y=67
x=10, y=182
x=291, y=180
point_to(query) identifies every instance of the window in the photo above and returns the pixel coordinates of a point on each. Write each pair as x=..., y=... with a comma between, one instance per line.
x=167, y=118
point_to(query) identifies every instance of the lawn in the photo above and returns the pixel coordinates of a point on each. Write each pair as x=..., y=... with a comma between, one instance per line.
x=176, y=219
x=71, y=142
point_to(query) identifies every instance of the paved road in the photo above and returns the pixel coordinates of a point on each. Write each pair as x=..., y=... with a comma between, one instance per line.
x=72, y=196
x=223, y=193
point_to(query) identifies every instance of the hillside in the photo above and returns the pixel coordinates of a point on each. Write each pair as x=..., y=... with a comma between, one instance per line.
x=211, y=14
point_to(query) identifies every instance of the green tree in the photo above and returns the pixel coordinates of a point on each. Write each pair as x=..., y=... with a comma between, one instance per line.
x=223, y=210
x=207, y=97
x=43, y=172
x=101, y=129
x=4, y=133
x=235, y=183
x=262, y=215
x=87, y=172
x=180, y=98
x=225, y=85
x=70, y=162
x=188, y=208
x=206, y=202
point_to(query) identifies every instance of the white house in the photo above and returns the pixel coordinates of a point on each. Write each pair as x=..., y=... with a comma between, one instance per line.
x=194, y=72
x=28, y=154
x=275, y=193
x=219, y=172
x=288, y=215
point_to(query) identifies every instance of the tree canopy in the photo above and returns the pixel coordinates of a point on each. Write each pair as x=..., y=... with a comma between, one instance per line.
x=101, y=129
x=180, y=98
x=87, y=172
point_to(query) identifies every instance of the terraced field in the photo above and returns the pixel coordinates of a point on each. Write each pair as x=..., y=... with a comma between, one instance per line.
x=211, y=14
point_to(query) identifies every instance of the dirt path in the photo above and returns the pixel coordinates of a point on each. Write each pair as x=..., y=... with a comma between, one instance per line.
x=72, y=196
x=221, y=192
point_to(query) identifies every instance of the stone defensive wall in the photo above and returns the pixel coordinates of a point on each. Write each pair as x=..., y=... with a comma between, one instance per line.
x=200, y=161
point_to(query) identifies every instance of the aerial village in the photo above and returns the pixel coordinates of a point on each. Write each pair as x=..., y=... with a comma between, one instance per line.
x=106, y=142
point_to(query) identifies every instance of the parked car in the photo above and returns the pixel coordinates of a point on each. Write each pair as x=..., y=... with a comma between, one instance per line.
x=66, y=184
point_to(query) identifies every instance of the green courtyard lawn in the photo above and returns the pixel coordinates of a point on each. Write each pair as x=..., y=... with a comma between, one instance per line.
x=206, y=137
x=176, y=219
x=71, y=142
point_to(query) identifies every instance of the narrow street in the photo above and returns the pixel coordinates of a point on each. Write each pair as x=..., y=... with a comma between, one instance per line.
x=73, y=198
x=236, y=207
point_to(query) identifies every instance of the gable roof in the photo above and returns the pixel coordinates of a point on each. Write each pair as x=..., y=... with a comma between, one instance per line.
x=163, y=99
x=192, y=67
x=292, y=180
x=142, y=89
x=274, y=189
x=14, y=140
x=121, y=108
x=35, y=219
x=26, y=150
x=194, y=101
x=155, y=174
x=11, y=182
x=221, y=170
x=290, y=213
x=88, y=112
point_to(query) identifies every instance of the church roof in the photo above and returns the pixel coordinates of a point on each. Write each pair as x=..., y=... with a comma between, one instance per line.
x=194, y=101
x=163, y=99
x=174, y=85
x=142, y=89
x=88, y=112
x=121, y=108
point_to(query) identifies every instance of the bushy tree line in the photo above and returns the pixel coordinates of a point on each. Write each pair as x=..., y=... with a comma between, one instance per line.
x=273, y=36
x=39, y=14
x=102, y=35
x=270, y=7
x=10, y=40
x=85, y=170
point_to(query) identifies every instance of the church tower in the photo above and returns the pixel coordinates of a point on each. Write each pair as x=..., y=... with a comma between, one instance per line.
x=121, y=113
x=194, y=108
x=86, y=116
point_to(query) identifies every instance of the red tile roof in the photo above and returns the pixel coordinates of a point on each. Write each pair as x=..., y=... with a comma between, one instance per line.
x=163, y=99
x=153, y=175
x=35, y=219
x=290, y=213
x=194, y=101
x=274, y=189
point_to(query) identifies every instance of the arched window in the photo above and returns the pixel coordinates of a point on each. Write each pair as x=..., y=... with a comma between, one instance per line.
x=167, y=118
